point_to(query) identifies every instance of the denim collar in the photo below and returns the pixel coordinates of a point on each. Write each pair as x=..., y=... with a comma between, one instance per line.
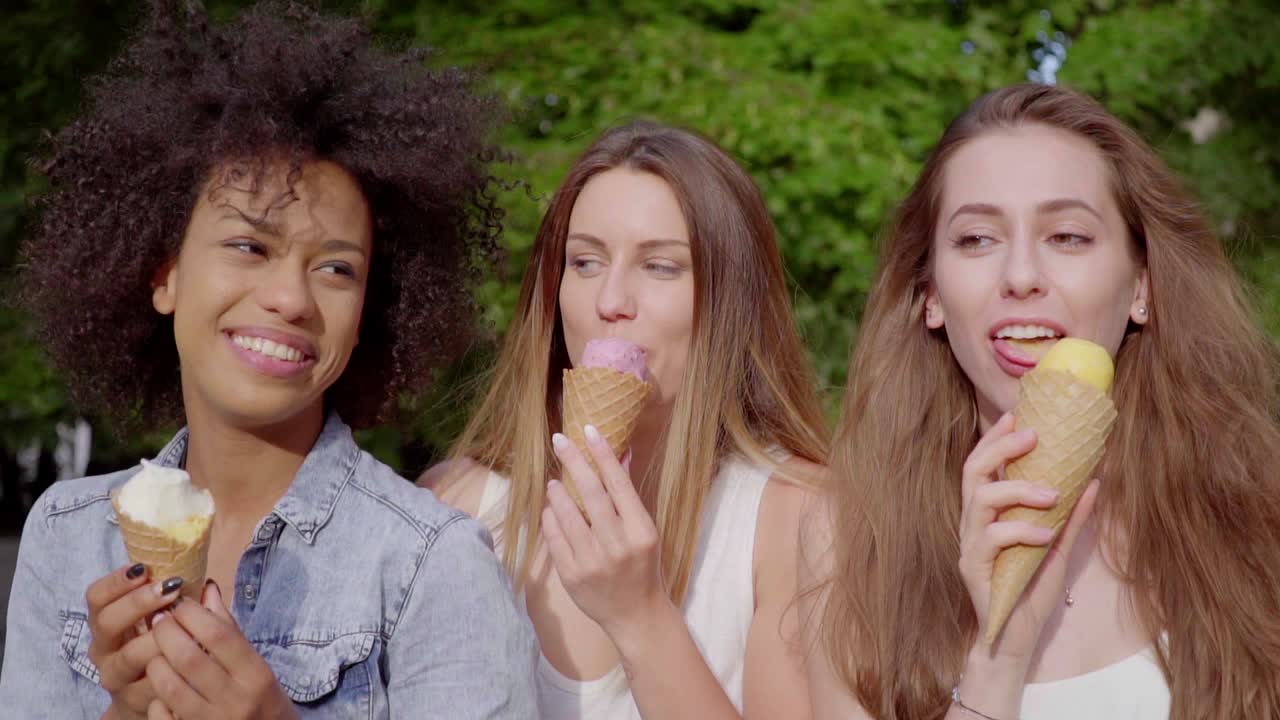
x=308, y=503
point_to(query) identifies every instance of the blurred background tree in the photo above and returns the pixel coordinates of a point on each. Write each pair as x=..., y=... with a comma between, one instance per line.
x=831, y=105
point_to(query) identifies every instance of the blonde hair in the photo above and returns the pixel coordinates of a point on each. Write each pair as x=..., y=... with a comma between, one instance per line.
x=1191, y=478
x=748, y=385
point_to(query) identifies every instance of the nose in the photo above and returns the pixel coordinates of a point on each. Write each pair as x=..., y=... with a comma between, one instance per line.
x=1023, y=276
x=615, y=299
x=284, y=290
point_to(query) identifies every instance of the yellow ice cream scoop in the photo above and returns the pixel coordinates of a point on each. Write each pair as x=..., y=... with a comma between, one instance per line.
x=188, y=531
x=1086, y=360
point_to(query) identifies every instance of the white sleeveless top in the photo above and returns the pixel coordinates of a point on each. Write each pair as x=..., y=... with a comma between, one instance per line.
x=718, y=606
x=1131, y=689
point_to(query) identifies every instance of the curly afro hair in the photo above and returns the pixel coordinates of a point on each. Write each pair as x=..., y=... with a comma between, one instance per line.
x=187, y=97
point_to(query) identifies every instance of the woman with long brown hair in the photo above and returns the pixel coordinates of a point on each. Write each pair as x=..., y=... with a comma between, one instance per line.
x=675, y=599
x=1039, y=215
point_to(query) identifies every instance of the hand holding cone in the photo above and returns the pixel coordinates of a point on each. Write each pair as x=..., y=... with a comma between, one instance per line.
x=1064, y=399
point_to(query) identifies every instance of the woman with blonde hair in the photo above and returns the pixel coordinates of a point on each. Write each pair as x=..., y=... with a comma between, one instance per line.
x=672, y=597
x=1039, y=215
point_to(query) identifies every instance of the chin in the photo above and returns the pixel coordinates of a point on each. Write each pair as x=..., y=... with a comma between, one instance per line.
x=255, y=410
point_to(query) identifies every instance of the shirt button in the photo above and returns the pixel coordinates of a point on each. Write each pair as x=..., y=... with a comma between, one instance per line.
x=249, y=592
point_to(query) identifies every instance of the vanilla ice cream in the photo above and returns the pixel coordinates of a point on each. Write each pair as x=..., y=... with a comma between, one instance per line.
x=164, y=498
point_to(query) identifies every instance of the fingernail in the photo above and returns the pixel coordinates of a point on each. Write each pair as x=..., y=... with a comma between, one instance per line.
x=1047, y=494
x=135, y=571
x=155, y=619
x=552, y=483
x=593, y=435
x=170, y=586
x=559, y=441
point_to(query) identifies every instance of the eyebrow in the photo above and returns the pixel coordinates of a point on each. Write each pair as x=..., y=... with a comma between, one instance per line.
x=260, y=223
x=342, y=246
x=1067, y=204
x=270, y=228
x=645, y=245
x=1048, y=206
x=975, y=209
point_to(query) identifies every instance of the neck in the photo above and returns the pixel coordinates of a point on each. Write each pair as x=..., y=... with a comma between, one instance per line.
x=248, y=470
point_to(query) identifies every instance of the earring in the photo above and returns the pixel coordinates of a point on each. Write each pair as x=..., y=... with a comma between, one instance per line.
x=1142, y=311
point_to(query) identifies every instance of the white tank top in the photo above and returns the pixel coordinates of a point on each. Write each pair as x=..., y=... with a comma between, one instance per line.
x=1132, y=689
x=718, y=606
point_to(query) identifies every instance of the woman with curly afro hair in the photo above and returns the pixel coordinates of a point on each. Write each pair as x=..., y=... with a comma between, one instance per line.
x=265, y=229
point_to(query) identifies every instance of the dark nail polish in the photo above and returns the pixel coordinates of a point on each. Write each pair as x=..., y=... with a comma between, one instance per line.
x=171, y=585
x=135, y=572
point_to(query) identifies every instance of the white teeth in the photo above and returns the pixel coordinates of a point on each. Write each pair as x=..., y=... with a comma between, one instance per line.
x=268, y=348
x=1026, y=332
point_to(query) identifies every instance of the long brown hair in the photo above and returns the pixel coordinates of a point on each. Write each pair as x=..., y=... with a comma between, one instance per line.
x=748, y=384
x=1191, y=472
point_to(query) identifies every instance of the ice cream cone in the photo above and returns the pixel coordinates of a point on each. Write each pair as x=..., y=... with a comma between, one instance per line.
x=1072, y=420
x=606, y=398
x=164, y=556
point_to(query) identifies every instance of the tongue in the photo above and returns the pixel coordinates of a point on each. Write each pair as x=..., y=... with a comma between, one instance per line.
x=1024, y=352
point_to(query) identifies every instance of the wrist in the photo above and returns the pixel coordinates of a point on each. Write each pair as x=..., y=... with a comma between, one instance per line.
x=992, y=683
x=984, y=661
x=647, y=627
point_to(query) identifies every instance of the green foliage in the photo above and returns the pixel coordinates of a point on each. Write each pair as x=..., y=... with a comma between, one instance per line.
x=831, y=105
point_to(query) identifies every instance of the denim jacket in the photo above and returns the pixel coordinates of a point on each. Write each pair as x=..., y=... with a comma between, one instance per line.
x=366, y=596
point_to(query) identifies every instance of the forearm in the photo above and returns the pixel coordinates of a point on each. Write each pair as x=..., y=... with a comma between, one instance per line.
x=668, y=677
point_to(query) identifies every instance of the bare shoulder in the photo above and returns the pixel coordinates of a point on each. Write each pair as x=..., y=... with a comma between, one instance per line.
x=793, y=497
x=458, y=483
x=792, y=494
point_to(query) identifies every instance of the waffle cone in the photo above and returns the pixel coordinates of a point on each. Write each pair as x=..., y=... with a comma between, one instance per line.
x=164, y=556
x=610, y=400
x=1072, y=420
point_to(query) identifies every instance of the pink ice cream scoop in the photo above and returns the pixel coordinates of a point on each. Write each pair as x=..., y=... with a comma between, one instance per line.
x=614, y=353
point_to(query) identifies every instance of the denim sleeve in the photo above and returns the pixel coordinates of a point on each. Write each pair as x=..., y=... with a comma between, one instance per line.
x=462, y=649
x=36, y=681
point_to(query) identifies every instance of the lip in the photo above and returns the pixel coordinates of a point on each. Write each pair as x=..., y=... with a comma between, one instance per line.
x=273, y=367
x=279, y=337
x=1043, y=322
